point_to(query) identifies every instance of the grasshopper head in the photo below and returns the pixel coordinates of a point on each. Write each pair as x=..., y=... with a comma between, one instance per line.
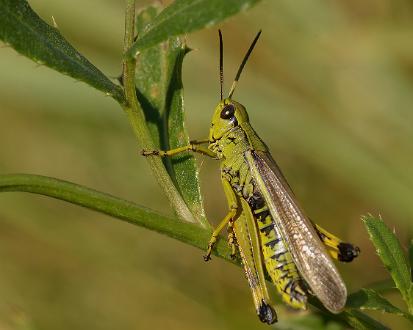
x=228, y=115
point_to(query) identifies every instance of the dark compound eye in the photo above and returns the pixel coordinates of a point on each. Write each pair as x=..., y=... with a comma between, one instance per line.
x=228, y=111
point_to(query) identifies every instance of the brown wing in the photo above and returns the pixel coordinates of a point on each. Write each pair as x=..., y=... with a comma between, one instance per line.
x=308, y=252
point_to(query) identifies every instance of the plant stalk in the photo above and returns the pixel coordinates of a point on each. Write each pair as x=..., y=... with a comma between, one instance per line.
x=137, y=119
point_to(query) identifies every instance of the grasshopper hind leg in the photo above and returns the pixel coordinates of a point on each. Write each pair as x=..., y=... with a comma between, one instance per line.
x=339, y=250
x=347, y=252
x=266, y=313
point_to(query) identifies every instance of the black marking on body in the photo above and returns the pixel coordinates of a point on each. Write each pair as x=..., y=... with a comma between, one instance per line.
x=256, y=201
x=231, y=138
x=237, y=187
x=263, y=215
x=267, y=229
x=321, y=235
x=288, y=286
x=281, y=265
x=279, y=254
x=271, y=244
x=283, y=276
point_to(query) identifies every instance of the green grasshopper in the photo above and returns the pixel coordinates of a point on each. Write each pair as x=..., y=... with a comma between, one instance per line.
x=265, y=222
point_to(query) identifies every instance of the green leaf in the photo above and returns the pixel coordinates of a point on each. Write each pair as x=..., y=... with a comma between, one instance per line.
x=367, y=299
x=382, y=286
x=307, y=322
x=185, y=16
x=160, y=93
x=350, y=316
x=361, y=321
x=390, y=252
x=28, y=34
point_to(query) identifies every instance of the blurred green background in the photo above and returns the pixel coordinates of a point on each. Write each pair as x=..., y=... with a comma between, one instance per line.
x=329, y=88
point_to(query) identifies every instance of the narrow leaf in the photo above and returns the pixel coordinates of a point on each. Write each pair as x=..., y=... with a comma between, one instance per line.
x=160, y=92
x=382, y=286
x=361, y=321
x=307, y=322
x=352, y=317
x=367, y=299
x=28, y=34
x=390, y=252
x=184, y=16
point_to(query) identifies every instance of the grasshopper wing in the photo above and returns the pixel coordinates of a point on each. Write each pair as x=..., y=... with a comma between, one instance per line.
x=248, y=245
x=309, y=254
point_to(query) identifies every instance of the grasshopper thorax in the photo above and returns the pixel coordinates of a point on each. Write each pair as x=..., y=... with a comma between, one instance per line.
x=228, y=115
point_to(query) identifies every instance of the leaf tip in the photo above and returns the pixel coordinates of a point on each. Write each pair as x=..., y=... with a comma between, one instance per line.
x=55, y=23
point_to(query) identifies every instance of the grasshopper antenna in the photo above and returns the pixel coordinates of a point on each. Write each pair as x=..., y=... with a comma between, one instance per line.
x=241, y=67
x=221, y=62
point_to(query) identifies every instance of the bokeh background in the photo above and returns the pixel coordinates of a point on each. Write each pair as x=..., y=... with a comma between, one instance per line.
x=329, y=88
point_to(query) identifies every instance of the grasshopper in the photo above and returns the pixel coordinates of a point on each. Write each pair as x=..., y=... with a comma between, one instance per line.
x=265, y=222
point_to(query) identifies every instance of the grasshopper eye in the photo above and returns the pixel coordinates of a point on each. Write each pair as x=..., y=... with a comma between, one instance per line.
x=228, y=111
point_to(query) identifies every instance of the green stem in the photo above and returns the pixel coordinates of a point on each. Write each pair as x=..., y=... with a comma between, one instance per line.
x=137, y=120
x=113, y=206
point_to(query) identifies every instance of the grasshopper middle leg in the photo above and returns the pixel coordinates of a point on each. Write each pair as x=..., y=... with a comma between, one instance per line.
x=227, y=221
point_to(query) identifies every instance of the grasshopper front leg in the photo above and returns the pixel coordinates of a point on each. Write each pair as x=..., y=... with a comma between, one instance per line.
x=194, y=146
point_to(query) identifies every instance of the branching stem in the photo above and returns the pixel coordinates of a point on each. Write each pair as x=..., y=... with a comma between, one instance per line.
x=137, y=119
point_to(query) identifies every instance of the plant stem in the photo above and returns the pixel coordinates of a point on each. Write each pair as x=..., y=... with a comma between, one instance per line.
x=137, y=120
x=113, y=206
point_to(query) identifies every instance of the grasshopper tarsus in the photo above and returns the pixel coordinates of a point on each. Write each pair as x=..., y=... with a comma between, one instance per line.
x=146, y=153
x=207, y=257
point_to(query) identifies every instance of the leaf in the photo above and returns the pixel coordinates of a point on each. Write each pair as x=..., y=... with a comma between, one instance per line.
x=361, y=321
x=350, y=316
x=184, y=16
x=367, y=299
x=28, y=34
x=390, y=252
x=382, y=286
x=160, y=93
x=307, y=322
